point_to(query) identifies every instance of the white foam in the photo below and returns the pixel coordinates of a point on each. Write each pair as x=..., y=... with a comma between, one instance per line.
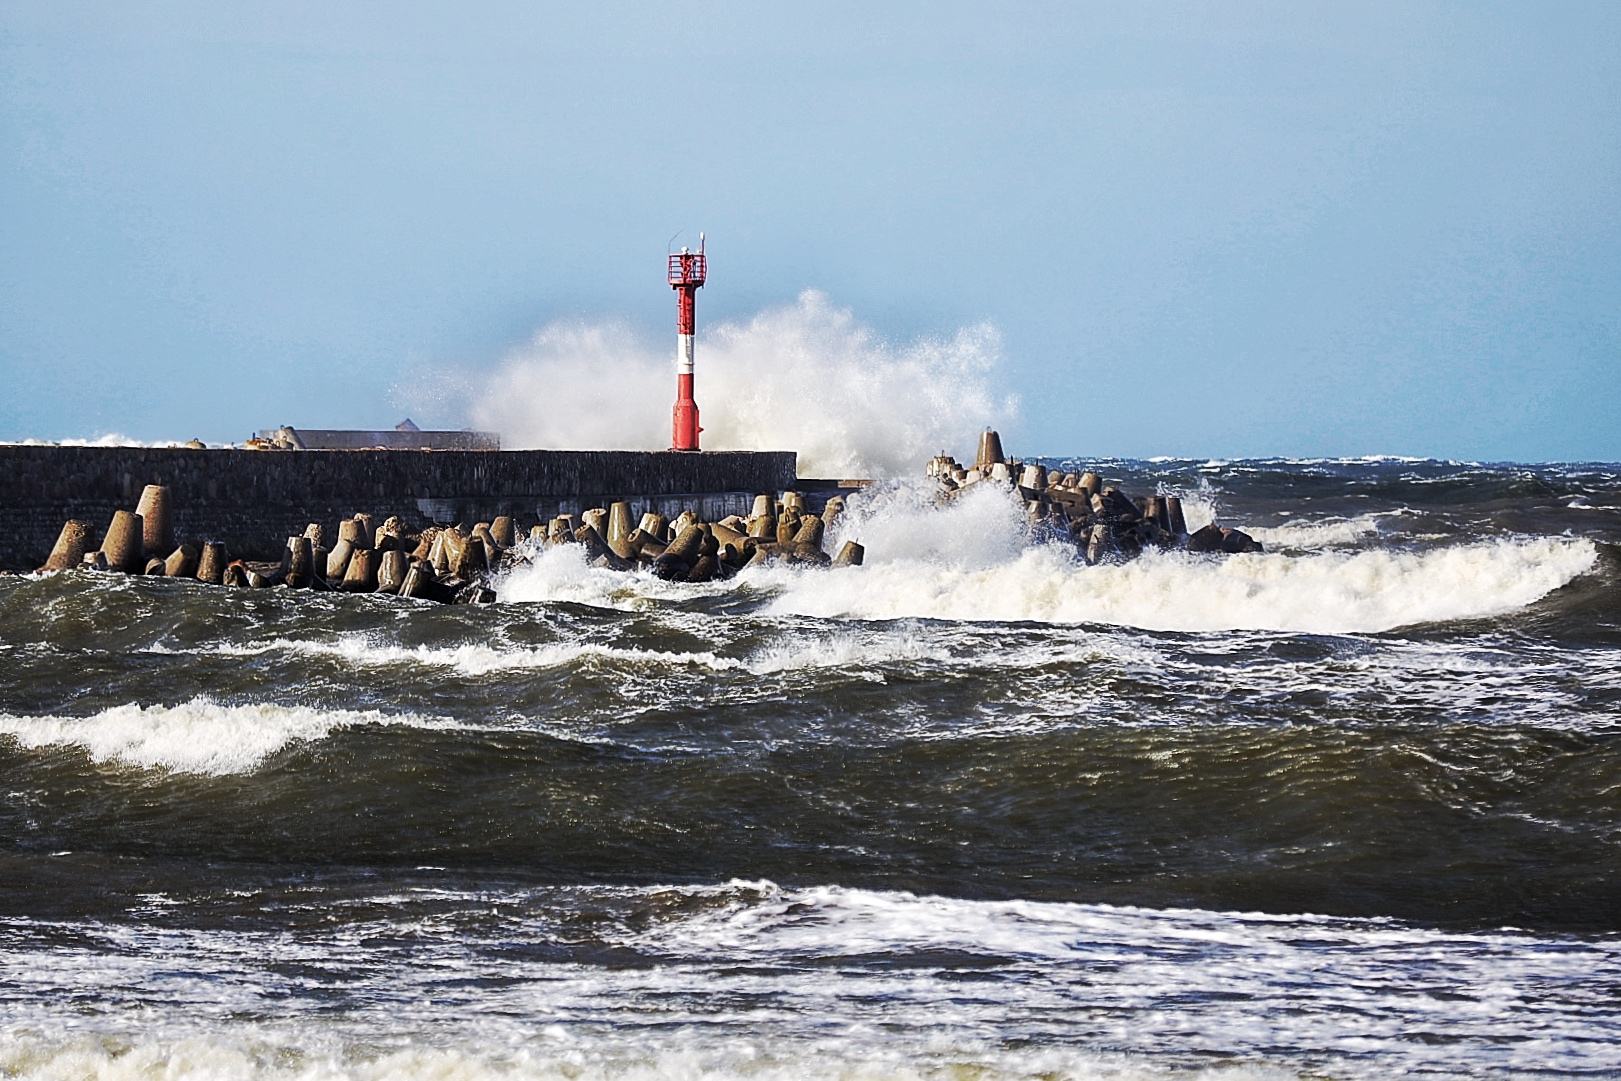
x=749, y=979
x=560, y=574
x=806, y=376
x=845, y=651
x=756, y=919
x=478, y=659
x=1301, y=533
x=552, y=1053
x=975, y=559
x=1322, y=593
x=797, y=651
x=199, y=736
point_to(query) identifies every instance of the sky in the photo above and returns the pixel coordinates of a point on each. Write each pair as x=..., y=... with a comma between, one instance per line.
x=1192, y=229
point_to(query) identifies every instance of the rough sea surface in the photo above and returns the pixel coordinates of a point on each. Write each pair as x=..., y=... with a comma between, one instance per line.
x=1350, y=808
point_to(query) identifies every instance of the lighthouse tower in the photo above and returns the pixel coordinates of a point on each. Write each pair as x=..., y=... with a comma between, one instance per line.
x=686, y=278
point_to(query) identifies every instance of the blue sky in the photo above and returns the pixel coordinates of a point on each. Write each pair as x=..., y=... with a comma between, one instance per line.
x=1201, y=229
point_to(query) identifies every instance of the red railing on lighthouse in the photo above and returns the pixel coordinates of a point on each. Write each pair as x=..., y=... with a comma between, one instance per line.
x=687, y=269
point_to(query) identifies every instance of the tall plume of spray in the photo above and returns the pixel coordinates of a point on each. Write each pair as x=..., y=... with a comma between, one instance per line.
x=806, y=377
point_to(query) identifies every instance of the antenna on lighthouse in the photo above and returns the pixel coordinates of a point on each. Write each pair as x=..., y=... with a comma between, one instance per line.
x=687, y=271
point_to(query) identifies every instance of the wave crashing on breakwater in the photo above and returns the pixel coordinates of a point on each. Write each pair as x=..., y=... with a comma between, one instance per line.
x=806, y=376
x=975, y=559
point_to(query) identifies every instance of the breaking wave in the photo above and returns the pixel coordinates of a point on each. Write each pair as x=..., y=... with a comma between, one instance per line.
x=837, y=650
x=1327, y=533
x=976, y=560
x=199, y=736
x=477, y=659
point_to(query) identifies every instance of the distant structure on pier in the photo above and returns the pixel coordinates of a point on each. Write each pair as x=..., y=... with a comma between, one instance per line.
x=405, y=436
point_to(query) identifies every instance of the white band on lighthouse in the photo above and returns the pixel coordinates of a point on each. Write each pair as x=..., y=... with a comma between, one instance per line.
x=683, y=354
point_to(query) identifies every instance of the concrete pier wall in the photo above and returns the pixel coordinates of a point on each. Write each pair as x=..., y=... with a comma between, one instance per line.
x=253, y=500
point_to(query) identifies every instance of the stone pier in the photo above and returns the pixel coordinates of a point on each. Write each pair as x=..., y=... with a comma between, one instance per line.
x=254, y=500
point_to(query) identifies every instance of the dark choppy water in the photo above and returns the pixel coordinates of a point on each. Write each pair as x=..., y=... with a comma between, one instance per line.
x=1348, y=808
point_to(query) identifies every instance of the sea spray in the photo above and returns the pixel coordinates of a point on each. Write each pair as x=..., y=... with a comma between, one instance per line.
x=108, y=439
x=806, y=377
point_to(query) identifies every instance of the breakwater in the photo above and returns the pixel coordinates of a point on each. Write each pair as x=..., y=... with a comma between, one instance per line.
x=1103, y=522
x=253, y=500
x=455, y=564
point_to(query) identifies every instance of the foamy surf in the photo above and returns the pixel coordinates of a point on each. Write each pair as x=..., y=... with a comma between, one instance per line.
x=560, y=575
x=249, y=1054
x=199, y=736
x=1301, y=534
x=479, y=659
x=749, y=979
x=794, y=650
x=976, y=559
x=1324, y=593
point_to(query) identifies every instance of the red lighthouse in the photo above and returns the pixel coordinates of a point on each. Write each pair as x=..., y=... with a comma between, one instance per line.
x=686, y=278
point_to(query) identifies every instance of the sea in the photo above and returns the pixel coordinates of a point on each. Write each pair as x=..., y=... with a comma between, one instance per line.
x=1346, y=808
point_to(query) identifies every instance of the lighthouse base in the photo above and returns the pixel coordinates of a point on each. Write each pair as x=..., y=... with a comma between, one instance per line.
x=684, y=424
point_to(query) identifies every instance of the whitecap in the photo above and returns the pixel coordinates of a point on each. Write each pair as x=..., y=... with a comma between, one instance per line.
x=1303, y=533
x=200, y=736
